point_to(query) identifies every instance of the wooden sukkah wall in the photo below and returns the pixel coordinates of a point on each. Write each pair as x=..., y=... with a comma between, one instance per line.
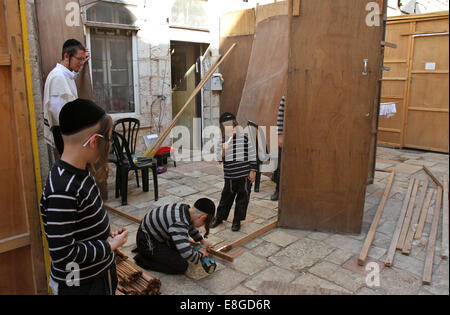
x=421, y=95
x=22, y=268
x=332, y=104
x=235, y=27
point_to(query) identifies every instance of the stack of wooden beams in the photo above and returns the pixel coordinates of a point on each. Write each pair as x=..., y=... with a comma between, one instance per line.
x=133, y=281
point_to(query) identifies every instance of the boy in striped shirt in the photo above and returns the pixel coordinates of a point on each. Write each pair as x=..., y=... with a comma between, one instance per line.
x=239, y=166
x=163, y=237
x=76, y=223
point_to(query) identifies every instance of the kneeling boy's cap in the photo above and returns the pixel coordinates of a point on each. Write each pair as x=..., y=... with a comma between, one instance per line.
x=78, y=115
x=205, y=205
x=226, y=117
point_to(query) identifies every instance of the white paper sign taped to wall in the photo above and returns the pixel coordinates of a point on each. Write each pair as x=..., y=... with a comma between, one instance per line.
x=430, y=66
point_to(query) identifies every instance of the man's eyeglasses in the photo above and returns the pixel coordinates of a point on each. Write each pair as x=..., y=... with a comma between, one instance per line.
x=80, y=59
x=92, y=137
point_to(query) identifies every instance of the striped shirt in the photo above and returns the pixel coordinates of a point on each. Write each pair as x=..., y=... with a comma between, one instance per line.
x=239, y=158
x=76, y=223
x=171, y=224
x=280, y=120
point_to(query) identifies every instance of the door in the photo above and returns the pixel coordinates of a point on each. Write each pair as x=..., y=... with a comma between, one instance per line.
x=427, y=121
x=334, y=70
x=22, y=269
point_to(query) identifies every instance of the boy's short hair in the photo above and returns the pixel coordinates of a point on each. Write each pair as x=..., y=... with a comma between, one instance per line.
x=71, y=46
x=227, y=117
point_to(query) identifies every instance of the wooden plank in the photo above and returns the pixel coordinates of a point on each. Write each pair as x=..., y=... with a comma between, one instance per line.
x=391, y=252
x=14, y=242
x=444, y=247
x=237, y=23
x=373, y=228
x=409, y=213
x=249, y=237
x=138, y=221
x=415, y=219
x=428, y=269
x=327, y=192
x=433, y=177
x=423, y=215
x=270, y=10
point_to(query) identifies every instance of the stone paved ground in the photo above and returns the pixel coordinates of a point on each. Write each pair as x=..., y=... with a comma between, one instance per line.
x=294, y=256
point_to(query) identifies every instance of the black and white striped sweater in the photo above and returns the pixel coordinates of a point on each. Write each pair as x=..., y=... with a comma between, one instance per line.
x=171, y=224
x=239, y=158
x=76, y=223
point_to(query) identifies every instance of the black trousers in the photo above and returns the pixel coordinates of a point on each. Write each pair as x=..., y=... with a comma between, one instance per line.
x=240, y=190
x=158, y=256
x=104, y=284
x=277, y=173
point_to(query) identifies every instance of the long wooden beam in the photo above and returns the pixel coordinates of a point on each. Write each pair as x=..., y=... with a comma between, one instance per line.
x=406, y=250
x=424, y=214
x=152, y=151
x=249, y=237
x=395, y=237
x=412, y=202
x=444, y=247
x=138, y=221
x=428, y=269
x=373, y=228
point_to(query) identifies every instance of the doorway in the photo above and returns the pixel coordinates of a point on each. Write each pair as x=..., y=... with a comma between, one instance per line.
x=186, y=75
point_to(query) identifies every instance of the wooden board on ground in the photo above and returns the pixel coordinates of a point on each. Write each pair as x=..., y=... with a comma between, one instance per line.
x=398, y=228
x=444, y=247
x=415, y=220
x=423, y=215
x=249, y=237
x=409, y=213
x=330, y=106
x=433, y=177
x=267, y=74
x=373, y=228
x=428, y=269
x=281, y=288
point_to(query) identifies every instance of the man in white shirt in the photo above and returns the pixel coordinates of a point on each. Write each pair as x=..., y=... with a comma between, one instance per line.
x=60, y=88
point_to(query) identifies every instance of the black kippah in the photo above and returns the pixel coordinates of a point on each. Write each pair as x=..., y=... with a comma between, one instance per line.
x=78, y=115
x=206, y=205
x=226, y=117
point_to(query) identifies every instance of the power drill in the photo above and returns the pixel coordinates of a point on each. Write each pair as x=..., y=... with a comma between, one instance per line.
x=208, y=264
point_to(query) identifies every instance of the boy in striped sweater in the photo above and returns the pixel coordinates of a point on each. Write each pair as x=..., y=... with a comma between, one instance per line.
x=163, y=237
x=76, y=223
x=239, y=166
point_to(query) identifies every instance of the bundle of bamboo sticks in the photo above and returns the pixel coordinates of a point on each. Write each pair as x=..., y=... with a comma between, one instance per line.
x=133, y=281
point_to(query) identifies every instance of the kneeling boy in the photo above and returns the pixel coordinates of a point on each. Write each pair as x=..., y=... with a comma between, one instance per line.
x=163, y=236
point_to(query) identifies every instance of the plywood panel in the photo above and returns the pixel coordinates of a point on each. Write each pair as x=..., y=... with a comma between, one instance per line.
x=234, y=71
x=267, y=73
x=13, y=208
x=328, y=116
x=53, y=32
x=16, y=276
x=428, y=131
x=237, y=23
x=21, y=262
x=427, y=92
x=394, y=35
x=431, y=49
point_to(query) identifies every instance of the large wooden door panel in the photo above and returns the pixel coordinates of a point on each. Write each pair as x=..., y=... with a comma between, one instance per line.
x=329, y=116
